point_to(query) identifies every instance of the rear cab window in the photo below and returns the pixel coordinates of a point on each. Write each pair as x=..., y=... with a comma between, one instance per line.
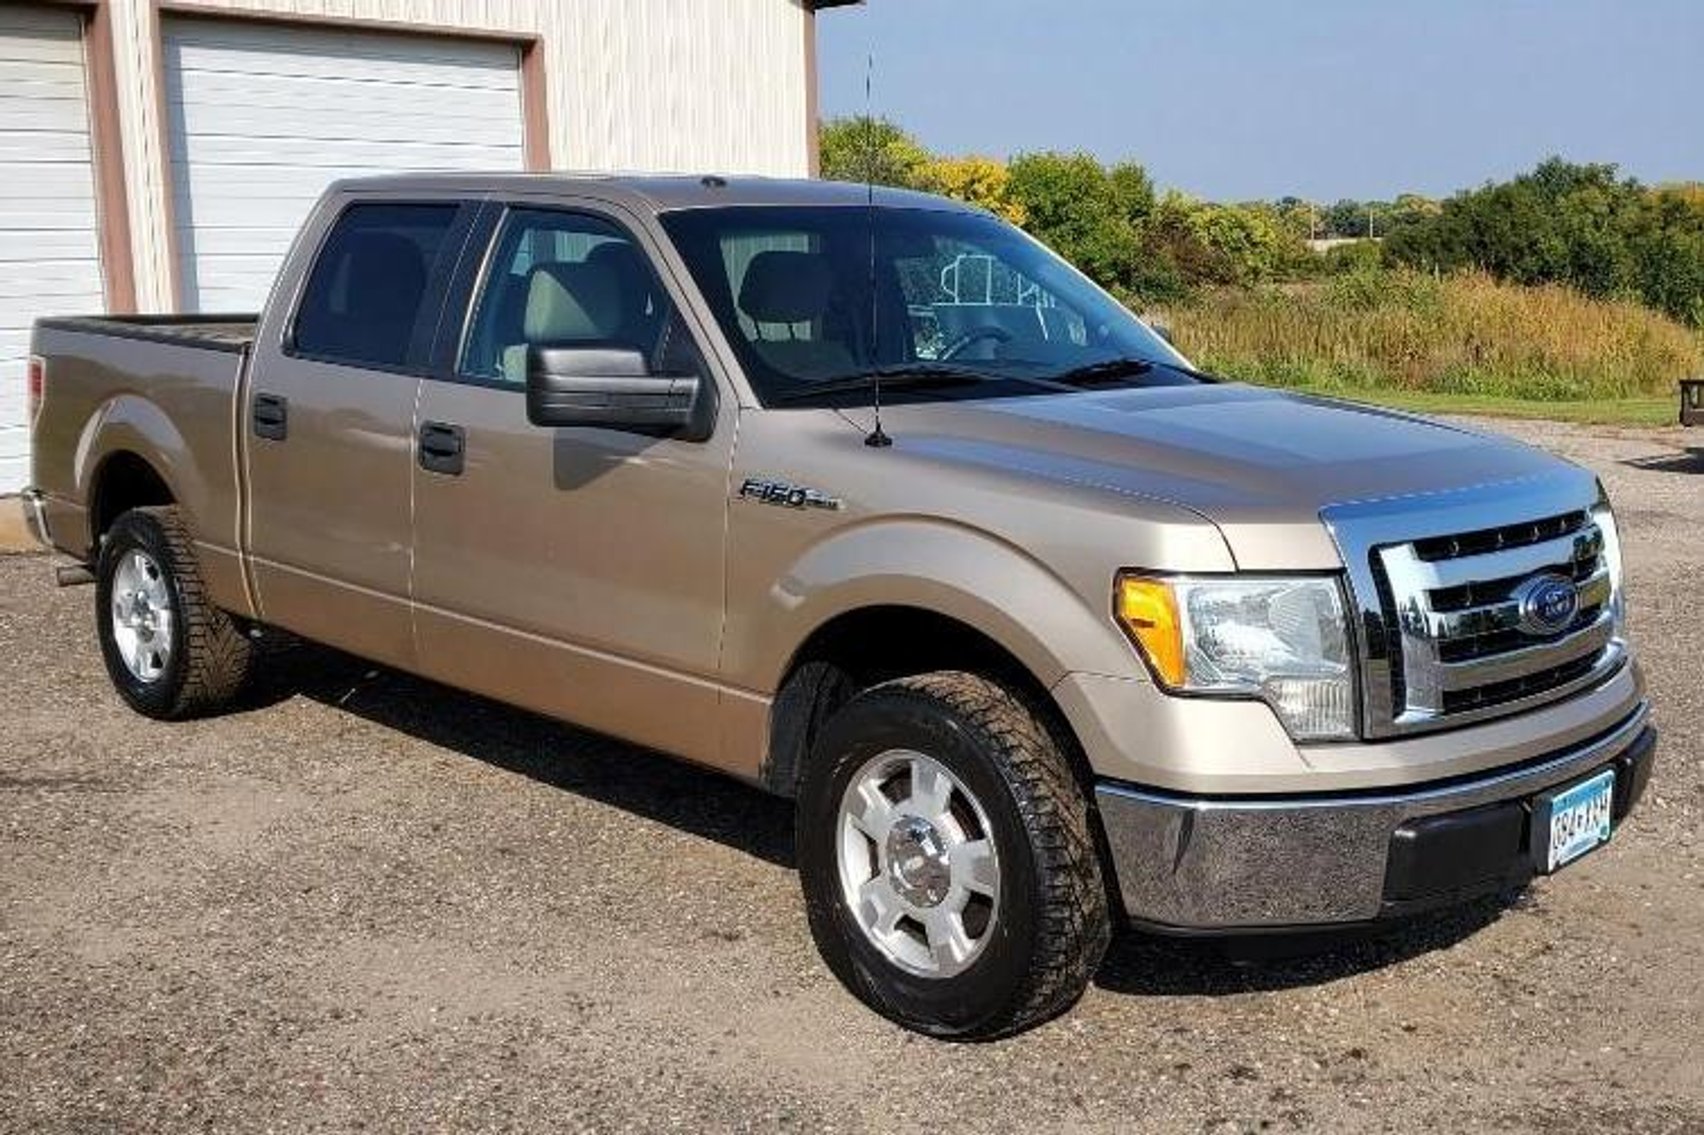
x=370, y=293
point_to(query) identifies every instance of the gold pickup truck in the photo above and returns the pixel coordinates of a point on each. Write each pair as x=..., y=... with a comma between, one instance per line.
x=871, y=500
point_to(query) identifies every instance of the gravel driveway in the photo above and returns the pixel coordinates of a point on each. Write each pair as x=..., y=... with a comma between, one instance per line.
x=370, y=902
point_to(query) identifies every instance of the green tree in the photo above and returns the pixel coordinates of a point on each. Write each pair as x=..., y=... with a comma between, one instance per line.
x=1576, y=224
x=862, y=149
x=984, y=182
x=1222, y=244
x=1075, y=206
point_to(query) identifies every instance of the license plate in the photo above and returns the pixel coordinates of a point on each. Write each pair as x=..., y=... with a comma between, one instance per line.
x=1574, y=820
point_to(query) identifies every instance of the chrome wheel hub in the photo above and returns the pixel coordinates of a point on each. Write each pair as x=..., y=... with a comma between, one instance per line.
x=919, y=870
x=917, y=861
x=142, y=616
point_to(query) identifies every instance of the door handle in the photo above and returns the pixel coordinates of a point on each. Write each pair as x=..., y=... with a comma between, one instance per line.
x=441, y=448
x=271, y=416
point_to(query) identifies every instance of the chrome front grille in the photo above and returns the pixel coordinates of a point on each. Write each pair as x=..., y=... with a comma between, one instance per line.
x=1445, y=588
x=1463, y=640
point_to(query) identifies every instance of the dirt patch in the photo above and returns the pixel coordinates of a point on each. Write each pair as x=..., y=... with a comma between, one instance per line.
x=365, y=901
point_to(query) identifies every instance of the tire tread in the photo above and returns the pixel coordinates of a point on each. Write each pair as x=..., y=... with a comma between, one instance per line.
x=218, y=656
x=1073, y=922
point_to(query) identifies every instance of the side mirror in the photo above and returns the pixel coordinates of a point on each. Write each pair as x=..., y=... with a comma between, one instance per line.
x=609, y=387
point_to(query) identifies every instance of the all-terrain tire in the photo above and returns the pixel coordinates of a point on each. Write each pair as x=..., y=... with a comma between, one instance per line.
x=1052, y=925
x=209, y=657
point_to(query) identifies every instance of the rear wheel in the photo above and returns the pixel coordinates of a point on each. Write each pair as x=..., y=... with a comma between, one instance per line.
x=169, y=651
x=949, y=870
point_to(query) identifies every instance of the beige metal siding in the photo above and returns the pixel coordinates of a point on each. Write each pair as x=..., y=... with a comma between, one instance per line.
x=631, y=84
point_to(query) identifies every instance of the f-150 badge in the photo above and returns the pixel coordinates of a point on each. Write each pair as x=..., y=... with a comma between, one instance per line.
x=786, y=495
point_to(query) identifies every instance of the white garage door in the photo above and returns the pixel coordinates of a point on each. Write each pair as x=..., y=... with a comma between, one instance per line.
x=49, y=253
x=262, y=117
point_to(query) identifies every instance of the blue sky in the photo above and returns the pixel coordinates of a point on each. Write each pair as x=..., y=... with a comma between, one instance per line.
x=1325, y=99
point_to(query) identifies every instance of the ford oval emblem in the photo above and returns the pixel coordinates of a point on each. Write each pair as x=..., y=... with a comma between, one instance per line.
x=1547, y=603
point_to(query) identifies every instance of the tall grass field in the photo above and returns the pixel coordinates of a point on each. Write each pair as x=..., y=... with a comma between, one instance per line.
x=1411, y=334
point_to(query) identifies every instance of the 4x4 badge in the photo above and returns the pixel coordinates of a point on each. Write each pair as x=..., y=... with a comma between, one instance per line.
x=786, y=495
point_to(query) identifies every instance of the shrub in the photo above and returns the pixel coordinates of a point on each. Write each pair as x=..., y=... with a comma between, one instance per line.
x=1409, y=330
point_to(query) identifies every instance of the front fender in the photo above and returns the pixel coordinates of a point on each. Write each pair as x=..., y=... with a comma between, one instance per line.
x=950, y=569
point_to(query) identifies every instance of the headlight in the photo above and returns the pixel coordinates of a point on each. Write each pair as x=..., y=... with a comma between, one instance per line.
x=1278, y=639
x=1604, y=517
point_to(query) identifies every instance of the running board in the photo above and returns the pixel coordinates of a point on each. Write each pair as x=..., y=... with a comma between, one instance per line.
x=73, y=575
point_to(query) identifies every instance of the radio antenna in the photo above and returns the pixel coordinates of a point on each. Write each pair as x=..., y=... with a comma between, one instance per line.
x=876, y=438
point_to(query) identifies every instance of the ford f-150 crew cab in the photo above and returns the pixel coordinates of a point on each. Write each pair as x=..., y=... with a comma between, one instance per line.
x=1051, y=631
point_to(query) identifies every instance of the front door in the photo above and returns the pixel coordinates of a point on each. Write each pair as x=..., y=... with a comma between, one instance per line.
x=330, y=425
x=577, y=572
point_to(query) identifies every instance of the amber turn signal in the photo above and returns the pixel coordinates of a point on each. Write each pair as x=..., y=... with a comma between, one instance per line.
x=1147, y=608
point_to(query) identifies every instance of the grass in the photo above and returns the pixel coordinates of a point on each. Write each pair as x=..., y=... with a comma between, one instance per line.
x=1461, y=344
x=1603, y=411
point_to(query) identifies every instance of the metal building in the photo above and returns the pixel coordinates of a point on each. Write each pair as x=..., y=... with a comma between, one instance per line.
x=157, y=155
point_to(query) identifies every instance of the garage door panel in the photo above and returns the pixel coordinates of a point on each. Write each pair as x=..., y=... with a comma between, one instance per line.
x=14, y=402
x=340, y=90
x=234, y=293
x=263, y=117
x=49, y=245
x=37, y=147
x=381, y=127
x=314, y=53
x=239, y=240
x=46, y=278
x=15, y=470
x=55, y=113
x=49, y=251
x=39, y=35
x=47, y=182
x=252, y=268
x=31, y=296
x=211, y=212
x=340, y=156
x=50, y=79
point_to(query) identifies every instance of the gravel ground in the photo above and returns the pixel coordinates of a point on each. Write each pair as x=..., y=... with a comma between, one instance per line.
x=369, y=902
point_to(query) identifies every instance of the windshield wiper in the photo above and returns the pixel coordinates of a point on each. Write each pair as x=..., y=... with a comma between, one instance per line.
x=905, y=376
x=1127, y=366
x=1105, y=369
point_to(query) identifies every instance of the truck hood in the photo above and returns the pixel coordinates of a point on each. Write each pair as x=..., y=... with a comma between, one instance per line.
x=1260, y=464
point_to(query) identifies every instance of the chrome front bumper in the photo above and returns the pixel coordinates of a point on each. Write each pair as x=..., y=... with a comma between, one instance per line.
x=1188, y=863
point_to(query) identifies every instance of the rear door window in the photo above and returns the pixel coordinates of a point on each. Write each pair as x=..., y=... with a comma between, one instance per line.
x=367, y=294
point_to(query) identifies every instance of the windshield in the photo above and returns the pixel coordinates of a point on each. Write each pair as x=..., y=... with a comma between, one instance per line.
x=954, y=294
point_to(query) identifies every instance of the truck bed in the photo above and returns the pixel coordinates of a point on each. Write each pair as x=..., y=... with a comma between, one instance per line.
x=216, y=332
x=167, y=386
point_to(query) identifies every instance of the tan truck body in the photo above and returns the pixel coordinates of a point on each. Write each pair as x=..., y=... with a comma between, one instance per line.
x=653, y=588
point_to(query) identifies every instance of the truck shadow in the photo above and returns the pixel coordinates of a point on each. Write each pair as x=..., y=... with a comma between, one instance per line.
x=1151, y=965
x=716, y=807
x=1681, y=461
x=643, y=783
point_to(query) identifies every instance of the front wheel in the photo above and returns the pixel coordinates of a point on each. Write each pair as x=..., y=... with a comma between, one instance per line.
x=948, y=864
x=169, y=651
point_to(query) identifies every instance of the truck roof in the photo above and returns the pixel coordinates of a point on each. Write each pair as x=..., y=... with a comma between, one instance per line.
x=658, y=193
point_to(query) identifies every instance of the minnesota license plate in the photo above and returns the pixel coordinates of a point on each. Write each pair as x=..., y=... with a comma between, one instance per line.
x=1574, y=820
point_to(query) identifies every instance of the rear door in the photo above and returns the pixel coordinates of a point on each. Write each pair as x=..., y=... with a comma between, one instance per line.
x=330, y=418
x=577, y=572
